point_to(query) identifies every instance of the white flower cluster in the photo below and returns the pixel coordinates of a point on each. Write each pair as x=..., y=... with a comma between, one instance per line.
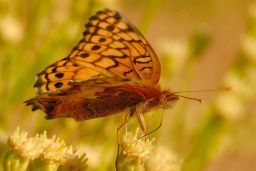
x=50, y=150
x=164, y=160
x=136, y=149
x=139, y=154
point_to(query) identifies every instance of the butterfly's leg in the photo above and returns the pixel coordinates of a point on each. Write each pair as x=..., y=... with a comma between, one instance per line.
x=127, y=119
x=142, y=122
x=139, y=111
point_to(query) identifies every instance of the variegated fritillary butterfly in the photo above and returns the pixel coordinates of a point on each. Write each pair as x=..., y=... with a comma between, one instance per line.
x=112, y=69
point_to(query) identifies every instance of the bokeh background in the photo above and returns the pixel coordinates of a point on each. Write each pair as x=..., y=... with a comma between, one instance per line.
x=201, y=45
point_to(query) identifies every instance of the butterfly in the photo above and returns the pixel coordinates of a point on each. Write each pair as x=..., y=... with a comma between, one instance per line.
x=111, y=70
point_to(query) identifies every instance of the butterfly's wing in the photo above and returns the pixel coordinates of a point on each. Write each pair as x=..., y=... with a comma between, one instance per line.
x=111, y=47
x=121, y=48
x=87, y=100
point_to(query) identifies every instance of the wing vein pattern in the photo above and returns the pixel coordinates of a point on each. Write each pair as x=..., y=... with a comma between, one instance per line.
x=111, y=47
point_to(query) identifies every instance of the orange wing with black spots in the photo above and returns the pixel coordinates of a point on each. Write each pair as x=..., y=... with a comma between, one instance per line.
x=111, y=47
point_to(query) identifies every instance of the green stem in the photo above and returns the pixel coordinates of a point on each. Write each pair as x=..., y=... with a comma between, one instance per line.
x=14, y=162
x=40, y=165
x=207, y=143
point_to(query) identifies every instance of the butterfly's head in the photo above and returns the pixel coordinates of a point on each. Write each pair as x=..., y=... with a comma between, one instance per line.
x=168, y=99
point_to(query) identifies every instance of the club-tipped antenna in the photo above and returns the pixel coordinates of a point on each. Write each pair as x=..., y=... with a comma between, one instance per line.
x=191, y=98
x=205, y=90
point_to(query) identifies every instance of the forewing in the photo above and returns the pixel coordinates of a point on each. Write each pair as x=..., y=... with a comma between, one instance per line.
x=111, y=47
x=112, y=43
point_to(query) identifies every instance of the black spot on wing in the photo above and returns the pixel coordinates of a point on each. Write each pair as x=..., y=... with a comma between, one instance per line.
x=58, y=84
x=59, y=75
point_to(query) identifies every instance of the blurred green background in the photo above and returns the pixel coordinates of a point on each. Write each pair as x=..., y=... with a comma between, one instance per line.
x=201, y=45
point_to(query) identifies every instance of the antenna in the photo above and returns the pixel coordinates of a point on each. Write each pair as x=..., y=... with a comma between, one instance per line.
x=185, y=97
x=205, y=90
